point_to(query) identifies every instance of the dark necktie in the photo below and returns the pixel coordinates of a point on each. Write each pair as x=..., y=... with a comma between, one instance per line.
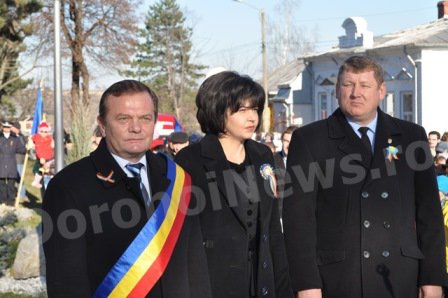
x=135, y=170
x=365, y=139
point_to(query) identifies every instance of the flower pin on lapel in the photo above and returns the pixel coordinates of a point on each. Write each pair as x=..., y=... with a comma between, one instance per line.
x=107, y=178
x=392, y=152
x=267, y=173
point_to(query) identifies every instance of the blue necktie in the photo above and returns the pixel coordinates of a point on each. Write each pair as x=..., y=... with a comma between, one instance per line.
x=135, y=170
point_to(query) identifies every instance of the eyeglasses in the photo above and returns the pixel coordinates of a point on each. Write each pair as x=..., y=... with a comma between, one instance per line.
x=45, y=131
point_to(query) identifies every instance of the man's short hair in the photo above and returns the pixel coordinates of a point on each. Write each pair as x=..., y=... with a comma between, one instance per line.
x=358, y=64
x=126, y=87
x=224, y=91
x=434, y=133
x=289, y=130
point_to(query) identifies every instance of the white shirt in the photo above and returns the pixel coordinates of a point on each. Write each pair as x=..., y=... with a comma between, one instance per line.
x=370, y=133
x=143, y=173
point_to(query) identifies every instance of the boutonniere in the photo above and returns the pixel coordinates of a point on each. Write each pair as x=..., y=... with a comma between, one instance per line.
x=267, y=172
x=107, y=178
x=391, y=153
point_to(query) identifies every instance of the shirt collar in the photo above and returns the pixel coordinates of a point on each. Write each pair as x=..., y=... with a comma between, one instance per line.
x=123, y=162
x=372, y=125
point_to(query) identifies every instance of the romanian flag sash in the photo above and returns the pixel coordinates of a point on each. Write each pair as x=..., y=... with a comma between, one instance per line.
x=146, y=258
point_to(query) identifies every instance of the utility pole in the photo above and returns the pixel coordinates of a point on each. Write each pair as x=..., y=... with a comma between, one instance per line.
x=266, y=118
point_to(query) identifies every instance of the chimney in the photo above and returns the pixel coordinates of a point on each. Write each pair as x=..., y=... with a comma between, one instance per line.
x=442, y=8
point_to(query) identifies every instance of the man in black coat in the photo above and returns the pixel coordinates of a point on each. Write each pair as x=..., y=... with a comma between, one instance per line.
x=10, y=145
x=363, y=218
x=96, y=207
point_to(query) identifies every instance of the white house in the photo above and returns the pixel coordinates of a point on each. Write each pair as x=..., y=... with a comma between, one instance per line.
x=415, y=62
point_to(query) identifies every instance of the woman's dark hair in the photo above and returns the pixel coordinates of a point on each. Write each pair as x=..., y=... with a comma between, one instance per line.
x=126, y=87
x=225, y=91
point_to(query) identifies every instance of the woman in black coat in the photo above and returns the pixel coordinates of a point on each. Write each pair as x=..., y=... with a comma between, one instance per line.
x=233, y=188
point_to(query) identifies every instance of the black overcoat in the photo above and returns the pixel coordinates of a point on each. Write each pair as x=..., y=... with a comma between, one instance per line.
x=9, y=147
x=101, y=219
x=223, y=224
x=362, y=227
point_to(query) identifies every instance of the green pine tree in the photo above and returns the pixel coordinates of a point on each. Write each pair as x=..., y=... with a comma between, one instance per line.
x=163, y=58
x=15, y=26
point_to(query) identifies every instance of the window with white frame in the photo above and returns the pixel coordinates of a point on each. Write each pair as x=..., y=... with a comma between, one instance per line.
x=389, y=103
x=323, y=105
x=407, y=106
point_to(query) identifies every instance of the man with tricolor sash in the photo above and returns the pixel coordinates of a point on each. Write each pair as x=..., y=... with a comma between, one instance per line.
x=115, y=223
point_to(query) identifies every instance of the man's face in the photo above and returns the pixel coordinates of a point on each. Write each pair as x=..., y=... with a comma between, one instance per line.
x=6, y=130
x=285, y=142
x=128, y=126
x=432, y=140
x=359, y=95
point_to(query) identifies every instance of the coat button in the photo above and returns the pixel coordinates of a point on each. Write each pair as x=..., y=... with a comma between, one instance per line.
x=386, y=224
x=264, y=291
x=384, y=195
x=385, y=253
x=366, y=254
x=265, y=265
x=366, y=223
x=365, y=194
x=265, y=237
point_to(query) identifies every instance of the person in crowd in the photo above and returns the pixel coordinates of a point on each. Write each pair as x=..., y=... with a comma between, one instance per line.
x=67, y=141
x=439, y=163
x=177, y=141
x=433, y=140
x=20, y=157
x=280, y=163
x=441, y=172
x=286, y=138
x=442, y=183
x=10, y=145
x=233, y=185
x=44, y=147
x=96, y=138
x=268, y=137
x=116, y=223
x=442, y=146
x=362, y=217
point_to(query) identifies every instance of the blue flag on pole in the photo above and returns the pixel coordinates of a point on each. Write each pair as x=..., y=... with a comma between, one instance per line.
x=37, y=112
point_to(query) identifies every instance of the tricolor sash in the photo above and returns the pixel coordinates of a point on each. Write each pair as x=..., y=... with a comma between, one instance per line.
x=146, y=258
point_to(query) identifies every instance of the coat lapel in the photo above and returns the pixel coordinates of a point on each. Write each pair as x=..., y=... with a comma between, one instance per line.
x=111, y=175
x=219, y=172
x=157, y=174
x=258, y=158
x=388, y=133
x=349, y=143
x=108, y=171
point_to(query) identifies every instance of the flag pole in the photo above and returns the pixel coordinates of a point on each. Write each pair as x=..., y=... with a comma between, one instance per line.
x=37, y=118
x=22, y=177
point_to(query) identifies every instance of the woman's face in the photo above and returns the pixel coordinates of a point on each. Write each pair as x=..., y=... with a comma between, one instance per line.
x=242, y=124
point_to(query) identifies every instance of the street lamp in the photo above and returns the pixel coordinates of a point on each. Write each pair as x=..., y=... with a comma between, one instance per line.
x=266, y=114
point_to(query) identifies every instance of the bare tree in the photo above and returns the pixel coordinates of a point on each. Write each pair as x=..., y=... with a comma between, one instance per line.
x=287, y=40
x=103, y=31
x=94, y=31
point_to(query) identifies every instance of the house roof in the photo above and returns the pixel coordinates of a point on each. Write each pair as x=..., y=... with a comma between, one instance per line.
x=285, y=74
x=432, y=34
